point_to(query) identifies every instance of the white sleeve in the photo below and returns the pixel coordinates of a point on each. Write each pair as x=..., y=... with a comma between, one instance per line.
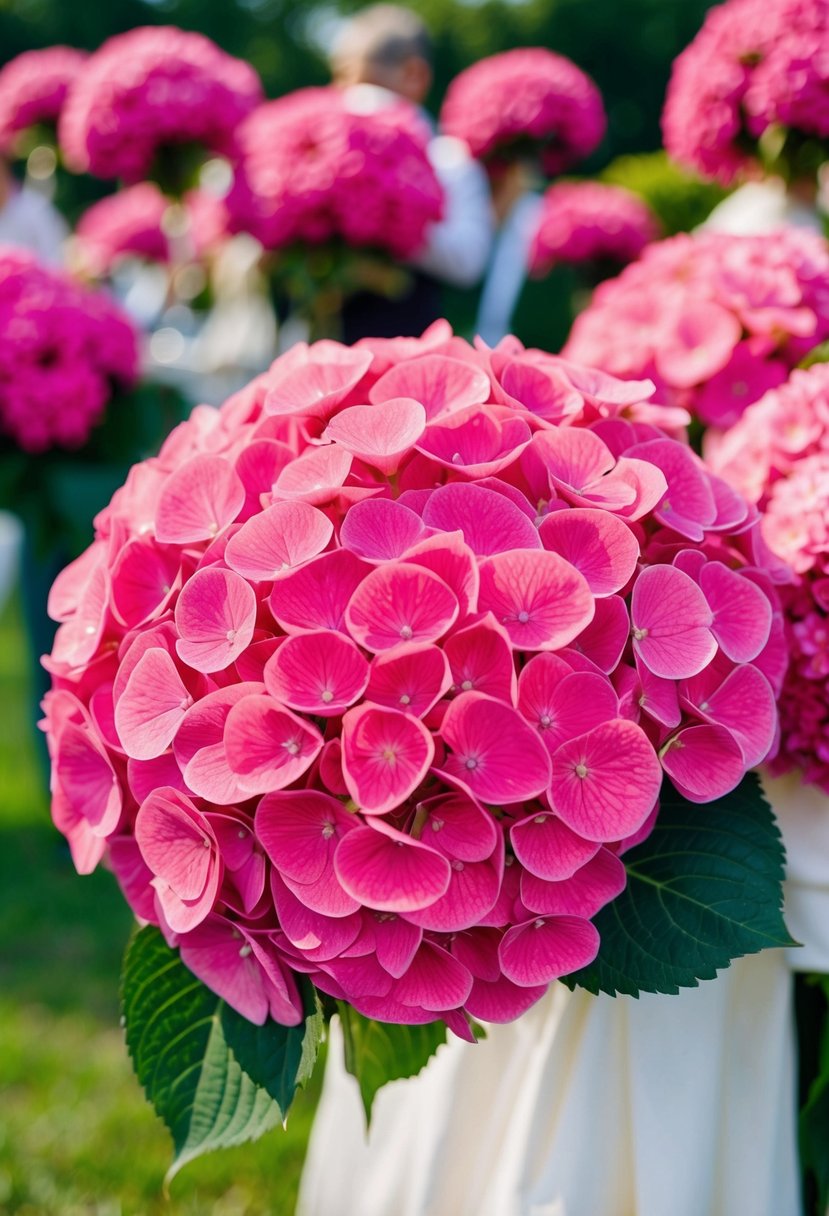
x=457, y=248
x=507, y=270
x=49, y=228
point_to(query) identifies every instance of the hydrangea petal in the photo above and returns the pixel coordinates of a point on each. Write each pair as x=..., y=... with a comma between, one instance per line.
x=319, y=672
x=605, y=782
x=544, y=949
x=386, y=754
x=399, y=602
x=671, y=623
x=541, y=600
x=280, y=538
x=198, y=501
x=215, y=617
x=389, y=871
x=495, y=753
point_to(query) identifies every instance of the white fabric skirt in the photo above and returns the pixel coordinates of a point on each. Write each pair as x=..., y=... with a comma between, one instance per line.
x=598, y=1106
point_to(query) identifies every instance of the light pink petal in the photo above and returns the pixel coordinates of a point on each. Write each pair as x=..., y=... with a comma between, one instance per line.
x=605, y=638
x=386, y=754
x=742, y=613
x=400, y=602
x=475, y=442
x=434, y=980
x=380, y=435
x=179, y=846
x=544, y=949
x=697, y=345
x=580, y=466
x=86, y=780
x=267, y=746
x=78, y=638
x=572, y=706
x=66, y=592
x=280, y=538
x=411, y=677
x=671, y=623
x=585, y=893
x=647, y=482
x=199, y=745
x=489, y=522
x=316, y=596
x=543, y=390
x=541, y=600
x=198, y=501
x=547, y=848
x=453, y=561
x=152, y=706
x=389, y=871
x=143, y=581
x=481, y=659
x=601, y=547
x=215, y=618
x=742, y=702
x=606, y=781
x=495, y=753
x=703, y=762
x=299, y=830
x=258, y=465
x=319, y=672
x=317, y=936
x=379, y=529
x=773, y=659
x=658, y=698
x=732, y=508
x=688, y=505
x=145, y=776
x=315, y=476
x=316, y=380
x=439, y=383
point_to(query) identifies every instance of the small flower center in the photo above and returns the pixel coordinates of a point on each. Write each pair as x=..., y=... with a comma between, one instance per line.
x=467, y=685
x=328, y=830
x=246, y=950
x=231, y=635
x=540, y=819
x=406, y=632
x=471, y=763
x=581, y=771
x=638, y=634
x=540, y=923
x=545, y=721
x=523, y=617
x=327, y=695
x=405, y=699
x=291, y=746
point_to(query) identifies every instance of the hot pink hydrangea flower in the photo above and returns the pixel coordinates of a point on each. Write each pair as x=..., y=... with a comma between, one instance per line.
x=148, y=88
x=33, y=88
x=591, y=222
x=713, y=319
x=778, y=455
x=63, y=350
x=526, y=97
x=754, y=64
x=312, y=170
x=138, y=222
x=371, y=674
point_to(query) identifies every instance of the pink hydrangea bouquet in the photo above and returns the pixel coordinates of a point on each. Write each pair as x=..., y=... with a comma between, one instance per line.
x=529, y=99
x=369, y=686
x=148, y=96
x=142, y=222
x=338, y=195
x=714, y=320
x=593, y=223
x=33, y=87
x=778, y=455
x=752, y=85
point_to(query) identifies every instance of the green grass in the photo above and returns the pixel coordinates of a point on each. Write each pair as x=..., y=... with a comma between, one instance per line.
x=77, y=1137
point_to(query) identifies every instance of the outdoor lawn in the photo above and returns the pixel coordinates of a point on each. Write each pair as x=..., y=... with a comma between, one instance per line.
x=77, y=1137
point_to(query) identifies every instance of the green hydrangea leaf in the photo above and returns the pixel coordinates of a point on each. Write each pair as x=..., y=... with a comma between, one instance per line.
x=378, y=1052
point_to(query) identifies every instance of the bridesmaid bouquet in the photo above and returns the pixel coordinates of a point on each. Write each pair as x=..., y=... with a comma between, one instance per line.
x=337, y=196
x=391, y=688
x=528, y=98
x=752, y=86
x=714, y=320
x=778, y=455
x=150, y=100
x=589, y=222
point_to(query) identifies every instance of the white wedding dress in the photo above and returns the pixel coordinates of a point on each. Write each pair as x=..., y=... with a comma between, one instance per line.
x=599, y=1106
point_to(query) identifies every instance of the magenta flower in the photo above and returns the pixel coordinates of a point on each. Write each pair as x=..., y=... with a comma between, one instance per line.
x=525, y=97
x=33, y=88
x=367, y=675
x=714, y=320
x=63, y=351
x=593, y=223
x=148, y=88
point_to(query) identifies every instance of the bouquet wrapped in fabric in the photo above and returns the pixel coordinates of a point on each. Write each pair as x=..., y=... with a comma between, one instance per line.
x=778, y=455
x=521, y=100
x=338, y=196
x=589, y=223
x=752, y=86
x=33, y=88
x=391, y=687
x=714, y=320
x=150, y=100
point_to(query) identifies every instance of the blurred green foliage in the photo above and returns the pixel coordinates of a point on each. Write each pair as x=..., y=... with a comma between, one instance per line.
x=680, y=200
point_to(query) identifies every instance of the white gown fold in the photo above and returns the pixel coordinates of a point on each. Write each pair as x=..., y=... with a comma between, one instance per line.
x=597, y=1106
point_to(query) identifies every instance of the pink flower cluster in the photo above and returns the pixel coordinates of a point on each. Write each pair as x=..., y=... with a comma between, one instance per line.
x=754, y=64
x=313, y=170
x=63, y=349
x=525, y=98
x=591, y=222
x=371, y=674
x=137, y=221
x=151, y=87
x=714, y=320
x=778, y=455
x=33, y=87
